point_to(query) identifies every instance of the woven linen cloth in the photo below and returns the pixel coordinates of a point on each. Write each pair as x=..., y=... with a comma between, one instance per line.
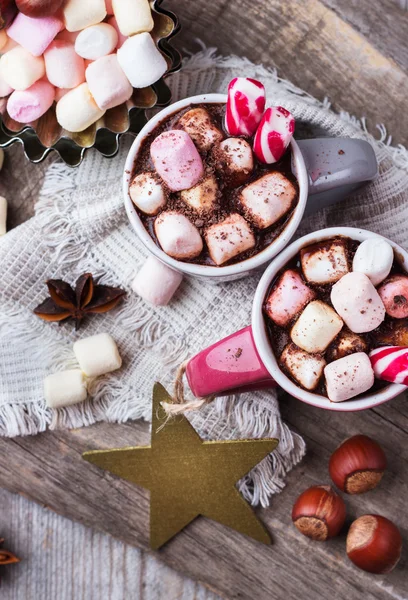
x=80, y=225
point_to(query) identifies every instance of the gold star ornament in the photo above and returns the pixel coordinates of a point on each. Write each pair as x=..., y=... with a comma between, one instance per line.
x=188, y=477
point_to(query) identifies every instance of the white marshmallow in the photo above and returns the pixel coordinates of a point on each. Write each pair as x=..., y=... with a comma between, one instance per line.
x=235, y=160
x=199, y=126
x=97, y=355
x=268, y=199
x=374, y=258
x=358, y=303
x=147, y=193
x=65, y=388
x=316, y=327
x=133, y=17
x=228, y=238
x=77, y=110
x=156, y=282
x=303, y=367
x=96, y=41
x=20, y=69
x=348, y=377
x=3, y=215
x=324, y=262
x=202, y=196
x=141, y=61
x=79, y=14
x=177, y=236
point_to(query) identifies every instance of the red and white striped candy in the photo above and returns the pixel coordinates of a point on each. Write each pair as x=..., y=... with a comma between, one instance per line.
x=391, y=364
x=245, y=106
x=273, y=134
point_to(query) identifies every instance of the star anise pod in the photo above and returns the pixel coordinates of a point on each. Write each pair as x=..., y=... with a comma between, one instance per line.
x=87, y=298
x=6, y=557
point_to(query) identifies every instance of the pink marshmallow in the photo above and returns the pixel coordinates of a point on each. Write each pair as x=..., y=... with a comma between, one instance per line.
x=63, y=67
x=29, y=105
x=394, y=294
x=357, y=301
x=348, y=377
x=156, y=282
x=107, y=82
x=274, y=134
x=121, y=38
x=35, y=35
x=176, y=160
x=245, y=106
x=288, y=297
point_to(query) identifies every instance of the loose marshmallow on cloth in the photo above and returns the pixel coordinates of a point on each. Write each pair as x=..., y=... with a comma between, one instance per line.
x=316, y=327
x=79, y=14
x=156, y=282
x=77, y=110
x=107, y=82
x=235, y=161
x=199, y=126
x=229, y=238
x=394, y=294
x=97, y=355
x=348, y=377
x=133, y=17
x=29, y=105
x=65, y=388
x=3, y=215
x=121, y=38
x=390, y=363
x=176, y=160
x=96, y=41
x=63, y=67
x=177, y=236
x=202, y=196
x=374, y=258
x=268, y=199
x=5, y=88
x=274, y=134
x=245, y=106
x=288, y=297
x=357, y=302
x=35, y=35
x=305, y=368
x=141, y=61
x=20, y=69
x=147, y=193
x=324, y=262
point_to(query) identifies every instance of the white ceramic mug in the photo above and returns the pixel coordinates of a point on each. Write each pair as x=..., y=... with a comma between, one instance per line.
x=328, y=168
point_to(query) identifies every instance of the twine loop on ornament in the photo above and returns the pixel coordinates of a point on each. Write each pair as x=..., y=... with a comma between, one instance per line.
x=180, y=404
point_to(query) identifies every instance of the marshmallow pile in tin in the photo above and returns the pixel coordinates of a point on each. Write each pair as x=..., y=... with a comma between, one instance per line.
x=331, y=338
x=87, y=58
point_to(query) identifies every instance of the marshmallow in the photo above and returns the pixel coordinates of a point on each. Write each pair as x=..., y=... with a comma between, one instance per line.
x=245, y=106
x=316, y=327
x=79, y=14
x=348, y=377
x=374, y=258
x=133, y=17
x=177, y=236
x=141, y=60
x=77, y=110
x=199, y=126
x=29, y=105
x=346, y=343
x=202, y=196
x=121, y=38
x=20, y=69
x=3, y=215
x=324, y=262
x=235, y=161
x=390, y=364
x=268, y=199
x=176, y=160
x=97, y=355
x=96, y=41
x=304, y=368
x=65, y=388
x=228, y=238
x=274, y=134
x=63, y=67
x=5, y=88
x=156, y=282
x=3, y=39
x=357, y=301
x=107, y=82
x=34, y=34
x=394, y=294
x=288, y=297
x=147, y=193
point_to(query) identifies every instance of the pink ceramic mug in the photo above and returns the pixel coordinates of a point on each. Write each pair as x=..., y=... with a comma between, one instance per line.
x=245, y=360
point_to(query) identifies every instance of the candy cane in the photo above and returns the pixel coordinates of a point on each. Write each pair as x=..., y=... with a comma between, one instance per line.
x=390, y=363
x=245, y=106
x=273, y=134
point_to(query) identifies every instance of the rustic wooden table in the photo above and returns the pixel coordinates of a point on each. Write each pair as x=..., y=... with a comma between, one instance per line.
x=355, y=53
